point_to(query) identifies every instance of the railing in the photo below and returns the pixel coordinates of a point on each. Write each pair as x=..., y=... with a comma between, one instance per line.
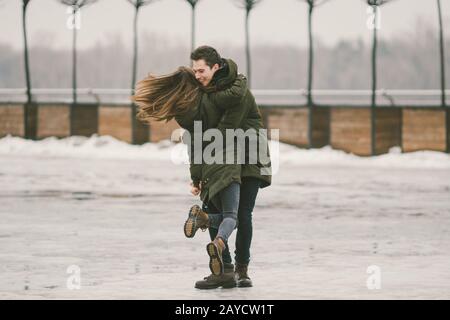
x=263, y=97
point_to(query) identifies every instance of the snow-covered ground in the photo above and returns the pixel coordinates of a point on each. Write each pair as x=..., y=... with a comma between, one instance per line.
x=116, y=211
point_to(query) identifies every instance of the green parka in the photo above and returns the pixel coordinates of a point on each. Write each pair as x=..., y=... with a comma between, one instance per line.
x=226, y=103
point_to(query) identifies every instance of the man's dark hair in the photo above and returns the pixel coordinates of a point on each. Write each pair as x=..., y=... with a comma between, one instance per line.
x=207, y=53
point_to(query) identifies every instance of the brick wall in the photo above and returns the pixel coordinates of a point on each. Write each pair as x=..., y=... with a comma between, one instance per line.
x=84, y=120
x=345, y=128
x=53, y=120
x=320, y=127
x=388, y=129
x=350, y=130
x=424, y=129
x=11, y=120
x=160, y=130
x=292, y=123
x=115, y=121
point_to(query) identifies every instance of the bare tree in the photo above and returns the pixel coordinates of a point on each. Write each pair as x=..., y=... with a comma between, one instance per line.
x=442, y=54
x=76, y=6
x=193, y=4
x=248, y=5
x=312, y=4
x=375, y=4
x=29, y=109
x=137, y=4
x=25, y=41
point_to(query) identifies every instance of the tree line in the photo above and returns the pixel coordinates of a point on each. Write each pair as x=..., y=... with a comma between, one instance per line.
x=407, y=61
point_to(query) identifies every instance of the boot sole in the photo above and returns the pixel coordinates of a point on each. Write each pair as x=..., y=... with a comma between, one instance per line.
x=244, y=284
x=207, y=287
x=229, y=285
x=223, y=285
x=190, y=226
x=215, y=260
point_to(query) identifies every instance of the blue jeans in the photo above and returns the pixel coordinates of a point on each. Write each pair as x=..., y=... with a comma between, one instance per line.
x=225, y=219
x=248, y=192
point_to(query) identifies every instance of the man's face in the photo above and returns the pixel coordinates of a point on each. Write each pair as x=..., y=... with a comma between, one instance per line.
x=203, y=73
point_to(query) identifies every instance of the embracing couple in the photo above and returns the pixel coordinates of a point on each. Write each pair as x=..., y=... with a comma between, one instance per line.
x=214, y=94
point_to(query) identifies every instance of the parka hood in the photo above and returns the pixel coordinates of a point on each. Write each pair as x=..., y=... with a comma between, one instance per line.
x=223, y=77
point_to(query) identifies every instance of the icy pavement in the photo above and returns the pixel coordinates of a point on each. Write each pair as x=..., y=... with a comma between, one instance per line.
x=116, y=212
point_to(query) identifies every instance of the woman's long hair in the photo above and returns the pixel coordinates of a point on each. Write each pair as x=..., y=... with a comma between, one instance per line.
x=166, y=96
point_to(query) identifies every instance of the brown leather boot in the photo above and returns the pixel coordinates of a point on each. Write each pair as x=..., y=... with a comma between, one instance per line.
x=225, y=280
x=215, y=249
x=197, y=219
x=242, y=278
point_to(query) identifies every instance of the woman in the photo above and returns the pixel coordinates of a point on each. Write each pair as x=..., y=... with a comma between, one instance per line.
x=179, y=95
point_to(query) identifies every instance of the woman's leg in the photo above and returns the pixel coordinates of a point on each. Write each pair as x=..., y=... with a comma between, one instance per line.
x=229, y=205
x=215, y=219
x=214, y=215
x=228, y=202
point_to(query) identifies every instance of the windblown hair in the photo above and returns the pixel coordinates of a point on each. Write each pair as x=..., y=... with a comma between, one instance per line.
x=167, y=96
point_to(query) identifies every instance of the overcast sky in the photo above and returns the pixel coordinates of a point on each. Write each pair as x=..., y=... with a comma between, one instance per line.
x=218, y=21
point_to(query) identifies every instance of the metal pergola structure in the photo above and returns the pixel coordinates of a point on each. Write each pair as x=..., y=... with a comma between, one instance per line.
x=263, y=97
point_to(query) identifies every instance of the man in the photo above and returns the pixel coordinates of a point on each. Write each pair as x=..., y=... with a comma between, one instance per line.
x=219, y=74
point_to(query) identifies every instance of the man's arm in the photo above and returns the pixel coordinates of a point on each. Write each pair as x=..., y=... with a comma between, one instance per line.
x=232, y=96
